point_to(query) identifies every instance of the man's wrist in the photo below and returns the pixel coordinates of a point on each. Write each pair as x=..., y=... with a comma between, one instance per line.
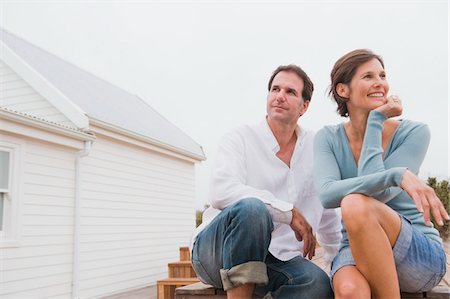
x=281, y=216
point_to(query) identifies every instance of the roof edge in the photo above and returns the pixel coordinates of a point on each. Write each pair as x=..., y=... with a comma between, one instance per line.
x=45, y=125
x=74, y=113
x=145, y=139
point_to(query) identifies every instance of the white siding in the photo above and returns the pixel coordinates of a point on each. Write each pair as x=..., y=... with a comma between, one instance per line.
x=18, y=95
x=137, y=210
x=41, y=267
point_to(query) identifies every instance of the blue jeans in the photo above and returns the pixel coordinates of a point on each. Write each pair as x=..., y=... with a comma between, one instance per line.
x=234, y=250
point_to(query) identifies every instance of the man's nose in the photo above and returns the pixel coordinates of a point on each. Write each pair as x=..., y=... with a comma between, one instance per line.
x=281, y=96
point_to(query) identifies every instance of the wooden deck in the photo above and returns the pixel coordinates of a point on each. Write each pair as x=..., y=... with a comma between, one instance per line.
x=150, y=292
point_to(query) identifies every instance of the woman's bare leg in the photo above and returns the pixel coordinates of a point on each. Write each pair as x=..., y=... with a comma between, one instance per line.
x=349, y=283
x=372, y=229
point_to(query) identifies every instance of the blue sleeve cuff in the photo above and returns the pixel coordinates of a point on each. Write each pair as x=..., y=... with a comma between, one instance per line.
x=377, y=116
x=397, y=175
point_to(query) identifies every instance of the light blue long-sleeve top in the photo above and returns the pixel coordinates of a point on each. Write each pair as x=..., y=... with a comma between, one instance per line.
x=336, y=173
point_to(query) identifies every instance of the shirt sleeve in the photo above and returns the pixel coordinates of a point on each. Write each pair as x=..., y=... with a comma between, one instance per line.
x=228, y=181
x=409, y=154
x=330, y=186
x=371, y=158
x=329, y=234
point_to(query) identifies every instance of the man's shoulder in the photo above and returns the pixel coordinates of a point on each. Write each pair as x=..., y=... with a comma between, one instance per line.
x=307, y=132
x=244, y=130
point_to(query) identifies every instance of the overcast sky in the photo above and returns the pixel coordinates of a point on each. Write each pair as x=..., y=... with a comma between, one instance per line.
x=205, y=65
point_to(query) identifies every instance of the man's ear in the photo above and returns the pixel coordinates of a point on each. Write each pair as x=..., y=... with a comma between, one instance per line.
x=305, y=106
x=343, y=90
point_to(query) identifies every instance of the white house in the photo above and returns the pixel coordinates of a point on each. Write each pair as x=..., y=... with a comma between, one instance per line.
x=96, y=187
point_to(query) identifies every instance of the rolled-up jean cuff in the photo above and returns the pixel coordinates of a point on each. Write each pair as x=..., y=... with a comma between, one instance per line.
x=249, y=272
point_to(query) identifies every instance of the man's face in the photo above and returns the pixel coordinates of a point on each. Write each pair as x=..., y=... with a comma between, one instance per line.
x=284, y=101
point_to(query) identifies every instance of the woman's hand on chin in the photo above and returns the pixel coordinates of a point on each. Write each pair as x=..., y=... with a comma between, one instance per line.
x=392, y=108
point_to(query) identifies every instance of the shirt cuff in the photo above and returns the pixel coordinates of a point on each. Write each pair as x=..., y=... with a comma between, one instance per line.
x=281, y=216
x=283, y=206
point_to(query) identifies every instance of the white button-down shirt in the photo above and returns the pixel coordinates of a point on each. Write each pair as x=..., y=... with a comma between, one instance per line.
x=247, y=166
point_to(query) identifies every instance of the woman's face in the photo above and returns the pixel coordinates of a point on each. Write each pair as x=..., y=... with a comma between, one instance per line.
x=368, y=88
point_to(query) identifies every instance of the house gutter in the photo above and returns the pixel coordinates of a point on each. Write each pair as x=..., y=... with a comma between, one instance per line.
x=77, y=220
x=39, y=123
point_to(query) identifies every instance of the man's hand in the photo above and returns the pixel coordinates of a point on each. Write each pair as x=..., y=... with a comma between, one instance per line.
x=303, y=232
x=393, y=107
x=424, y=197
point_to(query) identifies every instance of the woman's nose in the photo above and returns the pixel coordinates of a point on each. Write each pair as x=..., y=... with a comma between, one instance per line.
x=380, y=81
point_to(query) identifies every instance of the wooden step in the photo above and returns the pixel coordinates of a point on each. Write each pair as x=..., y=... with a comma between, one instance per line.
x=181, y=269
x=438, y=292
x=200, y=290
x=166, y=287
x=185, y=254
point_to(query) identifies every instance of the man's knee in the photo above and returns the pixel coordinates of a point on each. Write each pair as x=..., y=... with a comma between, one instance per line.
x=249, y=229
x=251, y=205
x=316, y=281
x=322, y=282
x=253, y=211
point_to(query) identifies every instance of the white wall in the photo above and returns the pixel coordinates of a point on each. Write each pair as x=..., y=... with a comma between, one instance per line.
x=18, y=95
x=41, y=266
x=138, y=208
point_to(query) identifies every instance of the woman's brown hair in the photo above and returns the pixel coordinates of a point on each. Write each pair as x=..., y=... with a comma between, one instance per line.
x=343, y=71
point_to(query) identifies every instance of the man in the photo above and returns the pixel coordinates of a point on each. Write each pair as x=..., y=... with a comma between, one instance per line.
x=260, y=229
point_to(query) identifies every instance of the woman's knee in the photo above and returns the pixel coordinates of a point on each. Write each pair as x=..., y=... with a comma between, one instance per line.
x=361, y=213
x=355, y=209
x=348, y=282
x=350, y=289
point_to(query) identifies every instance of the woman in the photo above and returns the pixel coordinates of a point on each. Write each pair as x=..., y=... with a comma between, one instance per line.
x=368, y=166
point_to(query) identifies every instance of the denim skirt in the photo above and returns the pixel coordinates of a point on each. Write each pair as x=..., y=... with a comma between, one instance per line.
x=420, y=261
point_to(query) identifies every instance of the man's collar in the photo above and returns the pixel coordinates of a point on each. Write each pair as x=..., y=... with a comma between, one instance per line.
x=271, y=141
